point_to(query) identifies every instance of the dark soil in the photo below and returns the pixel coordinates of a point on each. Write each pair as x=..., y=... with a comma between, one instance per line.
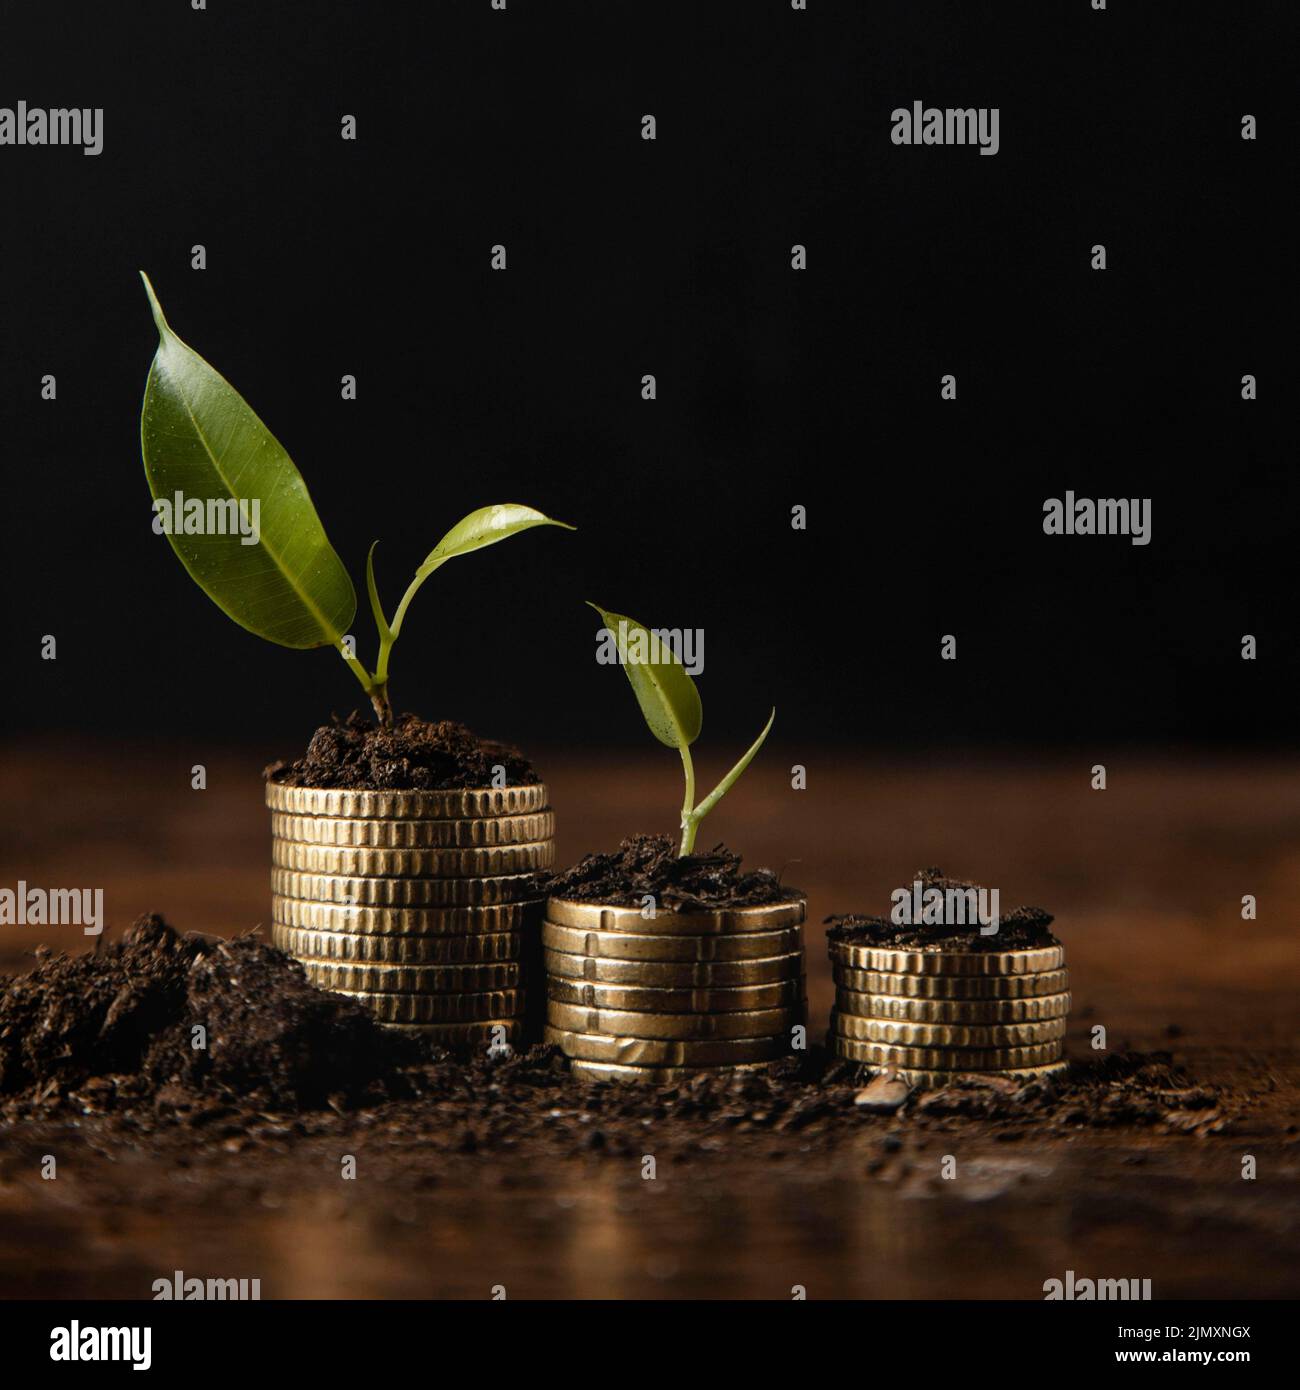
x=109, y=1035
x=413, y=755
x=649, y=864
x=129, y=1011
x=1020, y=929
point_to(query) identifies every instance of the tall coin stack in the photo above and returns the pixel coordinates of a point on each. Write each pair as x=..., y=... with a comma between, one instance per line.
x=421, y=905
x=933, y=1014
x=660, y=998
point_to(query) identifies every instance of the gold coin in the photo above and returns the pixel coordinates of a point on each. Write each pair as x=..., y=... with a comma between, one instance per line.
x=649, y=974
x=940, y=962
x=749, y=1023
x=655, y=1076
x=493, y=861
x=487, y=1032
x=967, y=1011
x=670, y=1001
x=944, y=1058
x=953, y=986
x=599, y=917
x=595, y=1047
x=405, y=892
x=956, y=1035
x=413, y=979
x=453, y=804
x=439, y=1008
x=617, y=945
x=921, y=1077
x=405, y=921
x=413, y=834
x=481, y=948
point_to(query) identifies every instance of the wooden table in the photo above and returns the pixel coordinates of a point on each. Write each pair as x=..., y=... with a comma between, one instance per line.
x=1146, y=879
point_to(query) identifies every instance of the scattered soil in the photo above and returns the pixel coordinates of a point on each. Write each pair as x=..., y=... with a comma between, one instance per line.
x=649, y=864
x=1020, y=929
x=110, y=1035
x=413, y=755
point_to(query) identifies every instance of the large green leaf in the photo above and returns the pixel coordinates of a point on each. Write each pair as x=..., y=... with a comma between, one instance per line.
x=200, y=438
x=664, y=690
x=486, y=526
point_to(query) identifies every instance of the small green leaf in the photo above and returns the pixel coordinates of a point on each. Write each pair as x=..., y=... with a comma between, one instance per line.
x=728, y=781
x=376, y=608
x=201, y=439
x=666, y=693
x=486, y=526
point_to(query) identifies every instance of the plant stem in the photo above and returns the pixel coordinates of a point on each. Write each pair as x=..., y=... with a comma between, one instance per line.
x=689, y=819
x=374, y=687
x=383, y=709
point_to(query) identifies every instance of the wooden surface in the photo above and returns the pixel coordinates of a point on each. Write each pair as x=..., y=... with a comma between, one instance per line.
x=1146, y=881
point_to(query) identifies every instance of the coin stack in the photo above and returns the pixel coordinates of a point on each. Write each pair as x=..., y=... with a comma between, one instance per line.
x=933, y=1014
x=421, y=905
x=662, y=997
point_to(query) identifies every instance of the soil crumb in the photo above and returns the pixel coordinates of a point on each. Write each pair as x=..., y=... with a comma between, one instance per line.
x=648, y=864
x=414, y=755
x=1020, y=929
x=111, y=1035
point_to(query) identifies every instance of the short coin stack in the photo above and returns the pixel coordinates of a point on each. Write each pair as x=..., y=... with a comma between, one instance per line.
x=421, y=905
x=936, y=1013
x=662, y=997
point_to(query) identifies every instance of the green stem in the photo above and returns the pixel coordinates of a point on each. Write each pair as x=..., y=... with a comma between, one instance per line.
x=372, y=685
x=689, y=819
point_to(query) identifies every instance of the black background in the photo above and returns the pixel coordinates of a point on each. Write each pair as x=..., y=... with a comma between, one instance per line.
x=328, y=257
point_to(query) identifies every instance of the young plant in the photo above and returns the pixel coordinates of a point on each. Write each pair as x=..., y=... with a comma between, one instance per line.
x=272, y=569
x=671, y=706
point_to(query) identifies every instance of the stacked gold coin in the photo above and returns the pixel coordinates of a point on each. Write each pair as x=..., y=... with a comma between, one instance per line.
x=421, y=905
x=661, y=997
x=934, y=1014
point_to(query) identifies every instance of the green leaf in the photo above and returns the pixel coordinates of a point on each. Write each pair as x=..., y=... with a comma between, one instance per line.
x=201, y=438
x=728, y=781
x=666, y=693
x=376, y=608
x=486, y=526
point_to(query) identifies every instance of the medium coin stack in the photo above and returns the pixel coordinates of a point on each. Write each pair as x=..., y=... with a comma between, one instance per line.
x=421, y=905
x=659, y=998
x=934, y=1014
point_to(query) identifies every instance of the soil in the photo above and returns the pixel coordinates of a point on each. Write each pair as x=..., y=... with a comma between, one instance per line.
x=109, y=1035
x=649, y=864
x=1023, y=928
x=130, y=1010
x=412, y=755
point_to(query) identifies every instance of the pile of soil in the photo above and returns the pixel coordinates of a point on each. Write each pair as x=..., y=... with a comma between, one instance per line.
x=1022, y=928
x=412, y=755
x=134, y=1010
x=648, y=864
x=110, y=1035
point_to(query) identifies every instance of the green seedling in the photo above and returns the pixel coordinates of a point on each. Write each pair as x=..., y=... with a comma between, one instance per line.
x=272, y=569
x=671, y=706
